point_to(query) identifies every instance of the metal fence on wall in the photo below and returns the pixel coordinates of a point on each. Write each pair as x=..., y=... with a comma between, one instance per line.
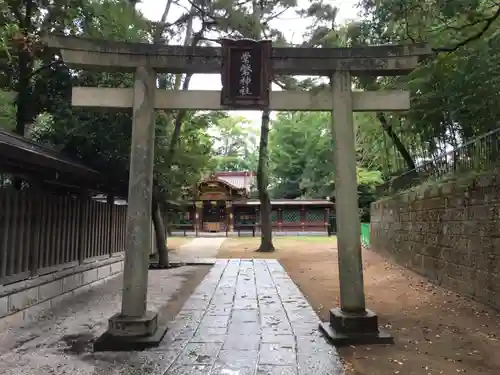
x=477, y=154
x=41, y=232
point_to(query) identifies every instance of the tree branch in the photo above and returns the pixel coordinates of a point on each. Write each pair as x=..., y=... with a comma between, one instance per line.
x=161, y=26
x=50, y=65
x=487, y=24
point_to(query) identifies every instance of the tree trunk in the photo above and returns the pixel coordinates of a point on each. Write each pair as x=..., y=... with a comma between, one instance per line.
x=410, y=164
x=161, y=242
x=179, y=119
x=266, y=237
x=24, y=112
x=166, y=223
x=160, y=27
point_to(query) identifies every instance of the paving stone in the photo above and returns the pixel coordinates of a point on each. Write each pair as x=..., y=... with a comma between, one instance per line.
x=177, y=344
x=276, y=331
x=219, y=310
x=313, y=344
x=189, y=370
x=185, y=333
x=277, y=354
x=242, y=342
x=276, y=370
x=273, y=308
x=214, y=321
x=205, y=332
x=244, y=329
x=196, y=304
x=241, y=362
x=275, y=321
x=231, y=369
x=289, y=340
x=187, y=319
x=245, y=316
x=319, y=364
x=304, y=329
x=205, y=338
x=199, y=354
x=245, y=304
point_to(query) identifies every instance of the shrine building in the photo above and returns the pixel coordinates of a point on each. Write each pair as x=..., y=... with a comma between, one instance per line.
x=221, y=203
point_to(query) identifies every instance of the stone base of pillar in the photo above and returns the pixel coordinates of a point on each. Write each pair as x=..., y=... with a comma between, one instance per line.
x=354, y=329
x=131, y=333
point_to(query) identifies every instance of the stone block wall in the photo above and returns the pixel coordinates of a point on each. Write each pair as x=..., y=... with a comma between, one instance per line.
x=449, y=232
x=24, y=301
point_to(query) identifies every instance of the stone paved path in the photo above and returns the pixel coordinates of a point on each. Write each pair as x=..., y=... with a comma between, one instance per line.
x=199, y=250
x=248, y=317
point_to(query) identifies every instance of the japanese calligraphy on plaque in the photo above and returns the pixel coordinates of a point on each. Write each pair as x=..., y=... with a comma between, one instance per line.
x=246, y=73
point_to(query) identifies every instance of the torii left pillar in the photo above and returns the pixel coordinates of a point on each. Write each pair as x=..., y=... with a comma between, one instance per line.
x=135, y=328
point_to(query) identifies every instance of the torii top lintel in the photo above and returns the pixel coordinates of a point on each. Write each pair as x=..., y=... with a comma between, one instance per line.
x=112, y=56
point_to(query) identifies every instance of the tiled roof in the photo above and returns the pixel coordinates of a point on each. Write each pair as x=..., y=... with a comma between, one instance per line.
x=238, y=173
x=240, y=182
x=283, y=202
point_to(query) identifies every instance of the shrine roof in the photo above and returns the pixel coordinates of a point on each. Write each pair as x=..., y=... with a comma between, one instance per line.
x=235, y=180
x=23, y=157
x=234, y=173
x=286, y=202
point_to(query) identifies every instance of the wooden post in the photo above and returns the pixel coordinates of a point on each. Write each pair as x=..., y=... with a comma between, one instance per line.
x=83, y=213
x=4, y=240
x=302, y=217
x=230, y=215
x=112, y=224
x=257, y=220
x=198, y=217
x=36, y=229
x=327, y=219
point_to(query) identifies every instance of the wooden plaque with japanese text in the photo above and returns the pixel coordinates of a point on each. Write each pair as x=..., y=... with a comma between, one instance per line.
x=246, y=73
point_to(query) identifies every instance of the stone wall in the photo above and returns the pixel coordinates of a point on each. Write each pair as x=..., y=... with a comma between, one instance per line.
x=24, y=301
x=449, y=232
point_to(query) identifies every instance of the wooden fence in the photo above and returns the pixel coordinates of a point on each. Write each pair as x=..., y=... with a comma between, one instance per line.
x=41, y=232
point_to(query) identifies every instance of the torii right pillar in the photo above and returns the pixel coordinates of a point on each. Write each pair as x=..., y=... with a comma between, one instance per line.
x=351, y=323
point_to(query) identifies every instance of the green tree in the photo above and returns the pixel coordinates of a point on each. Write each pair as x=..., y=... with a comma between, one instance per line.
x=102, y=139
x=302, y=157
x=453, y=92
x=25, y=21
x=235, y=144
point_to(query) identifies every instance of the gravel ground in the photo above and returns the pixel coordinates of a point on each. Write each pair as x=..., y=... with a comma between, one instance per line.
x=61, y=341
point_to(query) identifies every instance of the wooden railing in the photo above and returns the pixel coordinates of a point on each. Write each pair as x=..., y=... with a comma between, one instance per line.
x=41, y=232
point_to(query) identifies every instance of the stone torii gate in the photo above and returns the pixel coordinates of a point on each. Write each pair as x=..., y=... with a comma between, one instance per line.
x=136, y=327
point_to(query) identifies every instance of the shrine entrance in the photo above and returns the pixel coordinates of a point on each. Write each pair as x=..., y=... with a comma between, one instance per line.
x=214, y=206
x=247, y=69
x=214, y=217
